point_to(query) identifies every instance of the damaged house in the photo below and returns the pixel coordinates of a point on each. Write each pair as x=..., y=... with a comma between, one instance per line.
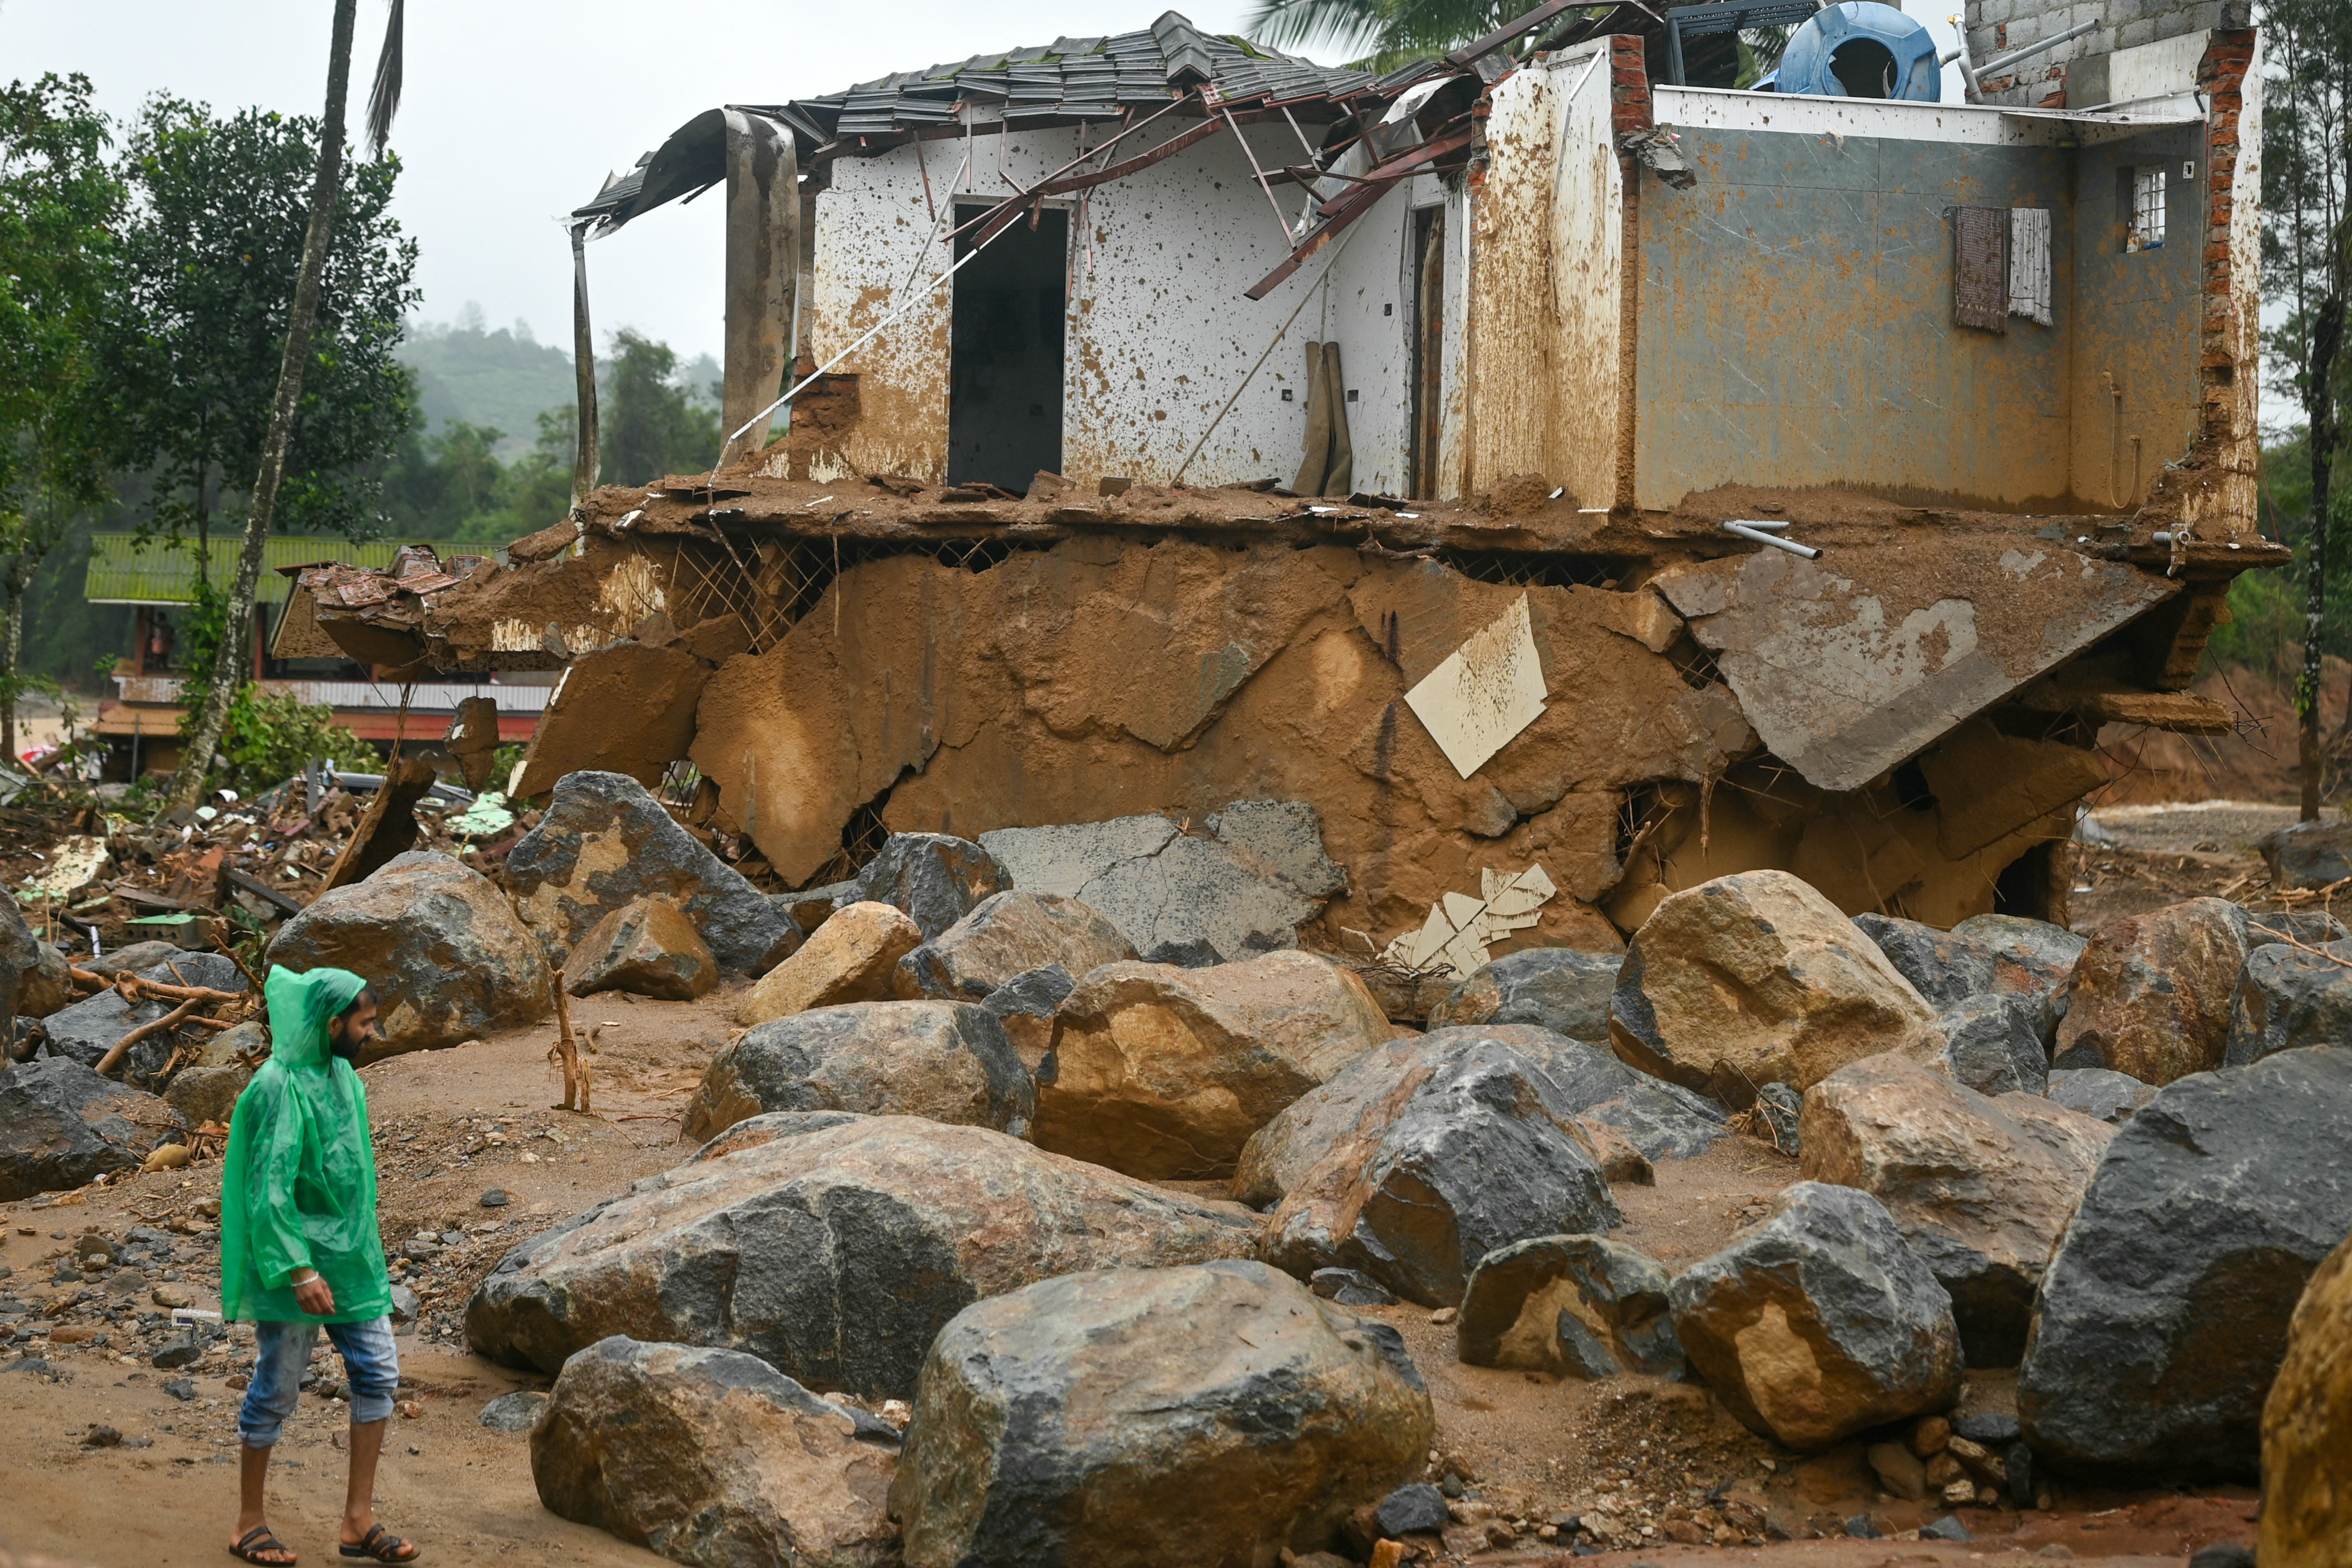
x=1524, y=460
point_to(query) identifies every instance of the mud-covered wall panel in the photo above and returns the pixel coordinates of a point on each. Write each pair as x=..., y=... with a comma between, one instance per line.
x=1158, y=334
x=1796, y=323
x=2138, y=314
x=1548, y=278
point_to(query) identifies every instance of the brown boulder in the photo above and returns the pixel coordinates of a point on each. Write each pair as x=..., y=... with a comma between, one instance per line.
x=714, y=1458
x=1754, y=979
x=1982, y=1187
x=2150, y=995
x=447, y=958
x=1006, y=935
x=201, y=1094
x=2306, y=1520
x=1166, y=1072
x=947, y=1061
x=647, y=949
x=851, y=958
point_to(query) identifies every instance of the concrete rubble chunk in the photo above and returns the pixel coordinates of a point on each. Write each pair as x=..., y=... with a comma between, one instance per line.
x=88, y=1028
x=1214, y=1413
x=835, y=1255
x=606, y=842
x=1997, y=1042
x=949, y=1061
x=626, y=710
x=2163, y=1318
x=1554, y=988
x=62, y=1125
x=1007, y=935
x=714, y=1458
x=2307, y=1514
x=2308, y=854
x=1471, y=1147
x=935, y=879
x=1943, y=966
x=1754, y=979
x=853, y=957
x=442, y=947
x=1260, y=872
x=1164, y=1072
x=2109, y=1097
x=1579, y=1305
x=647, y=948
x=2151, y=994
x=1982, y=1186
x=1820, y=1321
x=2290, y=997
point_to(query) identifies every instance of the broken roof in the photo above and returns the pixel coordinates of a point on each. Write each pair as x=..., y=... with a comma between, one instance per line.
x=1067, y=81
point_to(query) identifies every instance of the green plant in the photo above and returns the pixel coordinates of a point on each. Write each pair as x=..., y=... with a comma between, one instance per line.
x=270, y=736
x=509, y=758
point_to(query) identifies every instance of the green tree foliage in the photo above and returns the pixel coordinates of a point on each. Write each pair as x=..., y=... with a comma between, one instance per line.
x=451, y=485
x=58, y=200
x=267, y=739
x=1380, y=33
x=211, y=252
x=655, y=423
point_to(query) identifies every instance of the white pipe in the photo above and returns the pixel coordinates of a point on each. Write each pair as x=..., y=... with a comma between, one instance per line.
x=2051, y=42
x=1757, y=532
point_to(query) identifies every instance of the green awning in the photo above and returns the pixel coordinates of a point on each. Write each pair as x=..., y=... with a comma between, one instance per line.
x=122, y=571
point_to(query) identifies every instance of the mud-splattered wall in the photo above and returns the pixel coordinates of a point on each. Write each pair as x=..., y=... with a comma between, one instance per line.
x=1158, y=334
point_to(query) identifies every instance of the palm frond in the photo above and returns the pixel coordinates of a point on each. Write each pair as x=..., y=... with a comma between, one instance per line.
x=384, y=99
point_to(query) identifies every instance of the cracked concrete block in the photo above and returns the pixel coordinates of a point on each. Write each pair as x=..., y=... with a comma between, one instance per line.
x=1246, y=890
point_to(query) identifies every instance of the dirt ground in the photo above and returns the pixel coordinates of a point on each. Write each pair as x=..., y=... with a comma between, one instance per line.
x=2130, y=859
x=454, y=1125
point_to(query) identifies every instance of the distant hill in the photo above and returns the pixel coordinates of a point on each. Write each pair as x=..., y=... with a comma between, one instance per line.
x=503, y=379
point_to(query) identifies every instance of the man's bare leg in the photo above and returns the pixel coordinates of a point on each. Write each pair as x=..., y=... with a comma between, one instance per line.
x=253, y=1485
x=359, y=1495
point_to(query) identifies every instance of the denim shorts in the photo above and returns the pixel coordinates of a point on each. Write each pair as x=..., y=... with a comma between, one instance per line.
x=282, y=1355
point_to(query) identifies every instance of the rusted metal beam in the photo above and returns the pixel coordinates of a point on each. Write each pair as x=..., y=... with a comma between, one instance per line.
x=1352, y=204
x=1040, y=189
x=1470, y=53
x=1120, y=170
x=1397, y=167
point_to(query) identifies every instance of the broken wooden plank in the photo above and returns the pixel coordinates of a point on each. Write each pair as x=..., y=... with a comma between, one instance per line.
x=389, y=828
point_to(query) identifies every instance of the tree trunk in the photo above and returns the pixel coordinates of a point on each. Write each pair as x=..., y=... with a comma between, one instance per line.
x=12, y=644
x=237, y=636
x=2319, y=402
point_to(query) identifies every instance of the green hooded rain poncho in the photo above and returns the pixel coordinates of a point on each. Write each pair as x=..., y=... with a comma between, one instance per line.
x=298, y=1187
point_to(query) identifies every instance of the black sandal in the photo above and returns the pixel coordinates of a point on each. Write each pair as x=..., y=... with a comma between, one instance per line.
x=251, y=1550
x=382, y=1545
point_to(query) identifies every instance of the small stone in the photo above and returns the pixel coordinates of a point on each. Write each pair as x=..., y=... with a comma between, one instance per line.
x=171, y=1296
x=1410, y=1510
x=1859, y=1527
x=2022, y=1477
x=1944, y=1529
x=1961, y=1491
x=2222, y=1554
x=1989, y=1428
x=1900, y=1470
x=516, y=1412
x=1349, y=1287
x=177, y=1352
x=180, y=1388
x=1928, y=1437
x=496, y=1198
x=1445, y=1315
x=101, y=1437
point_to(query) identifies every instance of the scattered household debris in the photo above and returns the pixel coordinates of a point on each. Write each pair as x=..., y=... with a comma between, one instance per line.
x=1461, y=929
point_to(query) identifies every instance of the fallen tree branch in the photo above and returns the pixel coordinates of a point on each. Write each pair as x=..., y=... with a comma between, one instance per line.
x=168, y=1022
x=134, y=989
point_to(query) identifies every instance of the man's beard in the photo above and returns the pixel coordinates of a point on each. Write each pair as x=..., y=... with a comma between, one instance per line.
x=344, y=1046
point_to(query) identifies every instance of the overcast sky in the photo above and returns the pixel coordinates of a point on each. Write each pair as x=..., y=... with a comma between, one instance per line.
x=514, y=112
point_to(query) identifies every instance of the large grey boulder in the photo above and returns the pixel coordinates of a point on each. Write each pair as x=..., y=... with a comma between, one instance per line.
x=1982, y=1186
x=88, y=1029
x=715, y=1459
x=1583, y=1306
x=1165, y=1072
x=62, y=1125
x=2308, y=854
x=1245, y=886
x=1942, y=966
x=1138, y=1418
x=1007, y=935
x=835, y=1254
x=1998, y=1042
x=1757, y=978
x=948, y=1061
x=1555, y=988
x=1820, y=1321
x=2150, y=995
x=2289, y=997
x=1661, y=1120
x=2163, y=1316
x=447, y=958
x=1472, y=1148
x=2103, y=1096
x=605, y=842
x=934, y=879
x=2027, y=954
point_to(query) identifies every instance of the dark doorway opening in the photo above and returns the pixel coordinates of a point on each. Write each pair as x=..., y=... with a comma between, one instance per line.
x=1428, y=346
x=1005, y=359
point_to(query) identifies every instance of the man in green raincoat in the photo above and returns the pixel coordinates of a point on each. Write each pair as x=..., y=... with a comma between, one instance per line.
x=299, y=1247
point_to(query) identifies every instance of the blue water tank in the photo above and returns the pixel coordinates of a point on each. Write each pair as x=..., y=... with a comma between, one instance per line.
x=1860, y=49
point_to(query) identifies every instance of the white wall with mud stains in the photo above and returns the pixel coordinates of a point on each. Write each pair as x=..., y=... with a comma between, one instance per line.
x=1159, y=333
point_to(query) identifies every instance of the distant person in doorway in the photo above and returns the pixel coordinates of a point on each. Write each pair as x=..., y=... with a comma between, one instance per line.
x=300, y=1247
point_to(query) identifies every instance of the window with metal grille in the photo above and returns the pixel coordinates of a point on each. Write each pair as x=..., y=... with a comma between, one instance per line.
x=2146, y=229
